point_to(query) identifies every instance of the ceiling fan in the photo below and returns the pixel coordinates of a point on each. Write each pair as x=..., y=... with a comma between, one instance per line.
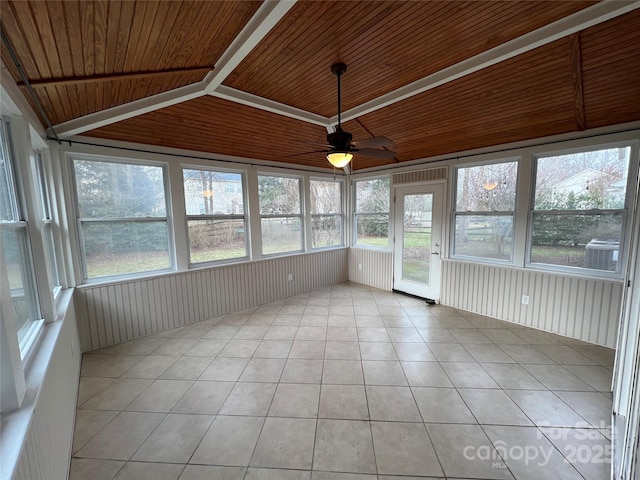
x=341, y=147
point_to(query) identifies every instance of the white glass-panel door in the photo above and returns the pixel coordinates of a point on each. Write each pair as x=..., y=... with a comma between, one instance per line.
x=418, y=240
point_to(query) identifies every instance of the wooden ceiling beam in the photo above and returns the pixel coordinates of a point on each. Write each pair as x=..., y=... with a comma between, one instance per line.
x=254, y=101
x=57, y=82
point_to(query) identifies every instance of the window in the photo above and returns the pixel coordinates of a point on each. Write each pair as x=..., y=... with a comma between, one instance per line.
x=484, y=211
x=215, y=215
x=280, y=214
x=578, y=213
x=122, y=217
x=45, y=210
x=371, y=212
x=16, y=251
x=326, y=213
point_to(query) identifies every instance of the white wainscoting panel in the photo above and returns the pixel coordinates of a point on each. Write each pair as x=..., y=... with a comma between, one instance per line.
x=114, y=313
x=581, y=308
x=371, y=267
x=47, y=448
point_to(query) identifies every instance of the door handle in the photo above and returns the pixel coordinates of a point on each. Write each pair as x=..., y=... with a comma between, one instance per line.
x=435, y=253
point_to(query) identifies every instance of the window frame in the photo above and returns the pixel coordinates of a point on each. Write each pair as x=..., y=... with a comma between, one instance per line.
x=301, y=215
x=50, y=240
x=201, y=217
x=340, y=214
x=356, y=214
x=624, y=211
x=28, y=333
x=502, y=213
x=168, y=219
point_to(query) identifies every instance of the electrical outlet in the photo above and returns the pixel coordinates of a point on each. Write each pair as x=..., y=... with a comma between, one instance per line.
x=290, y=277
x=525, y=299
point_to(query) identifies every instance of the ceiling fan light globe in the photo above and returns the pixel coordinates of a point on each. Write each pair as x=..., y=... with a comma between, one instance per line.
x=339, y=159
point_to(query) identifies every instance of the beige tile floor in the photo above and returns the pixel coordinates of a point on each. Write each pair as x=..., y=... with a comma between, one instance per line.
x=345, y=383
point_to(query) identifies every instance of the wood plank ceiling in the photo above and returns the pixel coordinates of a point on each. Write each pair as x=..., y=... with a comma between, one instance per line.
x=83, y=57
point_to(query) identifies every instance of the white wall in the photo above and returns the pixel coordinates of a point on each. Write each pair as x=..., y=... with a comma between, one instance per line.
x=117, y=312
x=46, y=451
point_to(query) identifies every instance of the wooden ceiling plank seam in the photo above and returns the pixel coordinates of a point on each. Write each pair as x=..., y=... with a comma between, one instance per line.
x=51, y=106
x=453, y=111
x=22, y=31
x=263, y=64
x=140, y=43
x=133, y=39
x=74, y=34
x=73, y=95
x=153, y=49
x=77, y=126
x=261, y=23
x=410, y=26
x=222, y=37
x=18, y=46
x=106, y=94
x=59, y=27
x=100, y=36
x=125, y=26
x=615, y=52
x=578, y=85
x=302, y=37
x=144, y=44
x=164, y=21
x=189, y=14
x=593, y=64
x=447, y=135
x=196, y=36
x=113, y=20
x=479, y=122
x=87, y=101
x=97, y=91
x=173, y=24
x=42, y=22
x=459, y=115
x=136, y=50
x=88, y=43
x=469, y=87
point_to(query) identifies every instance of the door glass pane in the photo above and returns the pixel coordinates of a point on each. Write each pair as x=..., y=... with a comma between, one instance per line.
x=416, y=238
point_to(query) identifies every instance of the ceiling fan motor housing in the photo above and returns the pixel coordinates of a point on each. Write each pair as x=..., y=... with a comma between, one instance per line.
x=339, y=140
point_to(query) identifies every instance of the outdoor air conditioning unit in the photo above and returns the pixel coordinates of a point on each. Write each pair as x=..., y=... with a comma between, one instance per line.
x=602, y=254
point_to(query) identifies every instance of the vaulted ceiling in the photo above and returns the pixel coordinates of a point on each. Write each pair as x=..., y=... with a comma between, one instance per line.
x=252, y=79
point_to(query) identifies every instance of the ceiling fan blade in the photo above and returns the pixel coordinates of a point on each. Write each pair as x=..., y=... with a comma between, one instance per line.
x=371, y=152
x=306, y=153
x=375, y=142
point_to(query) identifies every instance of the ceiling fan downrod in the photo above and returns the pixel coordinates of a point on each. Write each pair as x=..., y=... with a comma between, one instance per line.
x=338, y=70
